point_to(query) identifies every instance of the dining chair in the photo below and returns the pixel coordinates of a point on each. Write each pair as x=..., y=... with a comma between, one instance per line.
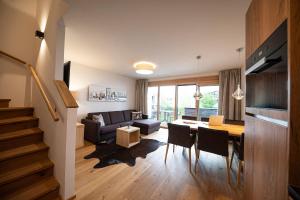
x=213, y=141
x=216, y=120
x=238, y=150
x=189, y=117
x=234, y=122
x=180, y=135
x=204, y=119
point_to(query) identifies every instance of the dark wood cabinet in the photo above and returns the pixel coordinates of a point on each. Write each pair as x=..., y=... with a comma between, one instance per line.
x=262, y=18
x=267, y=159
x=249, y=149
x=294, y=64
x=271, y=147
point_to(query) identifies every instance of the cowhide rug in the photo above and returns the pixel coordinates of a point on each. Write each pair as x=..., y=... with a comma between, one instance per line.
x=111, y=154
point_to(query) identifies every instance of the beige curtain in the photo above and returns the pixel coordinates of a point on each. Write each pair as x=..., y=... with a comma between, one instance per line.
x=141, y=90
x=228, y=106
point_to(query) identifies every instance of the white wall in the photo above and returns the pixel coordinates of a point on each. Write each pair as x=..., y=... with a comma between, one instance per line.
x=18, y=24
x=82, y=76
x=59, y=136
x=17, y=38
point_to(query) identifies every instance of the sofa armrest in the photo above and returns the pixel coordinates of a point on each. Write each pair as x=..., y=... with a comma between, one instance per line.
x=145, y=116
x=91, y=130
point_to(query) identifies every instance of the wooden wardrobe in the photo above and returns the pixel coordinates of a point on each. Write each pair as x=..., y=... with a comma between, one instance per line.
x=272, y=151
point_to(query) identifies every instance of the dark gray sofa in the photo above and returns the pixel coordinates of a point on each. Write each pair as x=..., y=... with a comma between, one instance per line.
x=94, y=132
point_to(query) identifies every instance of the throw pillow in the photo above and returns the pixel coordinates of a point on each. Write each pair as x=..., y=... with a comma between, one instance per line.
x=99, y=118
x=137, y=115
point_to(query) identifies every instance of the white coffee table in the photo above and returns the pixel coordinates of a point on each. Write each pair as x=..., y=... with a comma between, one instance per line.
x=128, y=137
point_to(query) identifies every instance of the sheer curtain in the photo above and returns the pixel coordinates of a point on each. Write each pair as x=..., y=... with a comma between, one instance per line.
x=228, y=106
x=141, y=90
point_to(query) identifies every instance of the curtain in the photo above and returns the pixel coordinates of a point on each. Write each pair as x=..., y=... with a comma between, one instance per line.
x=228, y=106
x=141, y=90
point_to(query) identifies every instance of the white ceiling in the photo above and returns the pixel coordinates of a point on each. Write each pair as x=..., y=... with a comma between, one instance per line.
x=113, y=34
x=26, y=6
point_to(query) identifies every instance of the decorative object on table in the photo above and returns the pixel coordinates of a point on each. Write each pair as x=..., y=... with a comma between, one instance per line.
x=136, y=115
x=103, y=94
x=238, y=93
x=111, y=154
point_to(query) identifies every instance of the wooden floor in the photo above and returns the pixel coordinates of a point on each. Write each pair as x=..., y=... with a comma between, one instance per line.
x=151, y=178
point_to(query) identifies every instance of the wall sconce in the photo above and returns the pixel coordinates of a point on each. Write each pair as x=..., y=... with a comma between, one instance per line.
x=39, y=34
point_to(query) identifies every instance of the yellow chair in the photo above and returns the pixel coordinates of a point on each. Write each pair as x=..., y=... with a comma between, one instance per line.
x=216, y=120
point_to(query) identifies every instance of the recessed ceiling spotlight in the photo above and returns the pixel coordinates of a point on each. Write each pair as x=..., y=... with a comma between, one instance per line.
x=144, y=67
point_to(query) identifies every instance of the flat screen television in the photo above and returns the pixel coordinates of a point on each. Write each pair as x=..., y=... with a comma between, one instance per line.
x=67, y=67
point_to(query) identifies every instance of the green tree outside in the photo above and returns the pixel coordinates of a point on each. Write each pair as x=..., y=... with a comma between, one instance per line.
x=208, y=101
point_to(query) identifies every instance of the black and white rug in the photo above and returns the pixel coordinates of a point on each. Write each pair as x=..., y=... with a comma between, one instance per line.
x=111, y=154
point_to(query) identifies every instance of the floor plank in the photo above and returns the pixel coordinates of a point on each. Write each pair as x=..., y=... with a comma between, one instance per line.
x=151, y=178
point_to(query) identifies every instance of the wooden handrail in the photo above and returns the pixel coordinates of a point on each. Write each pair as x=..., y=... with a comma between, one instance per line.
x=41, y=89
x=38, y=82
x=66, y=95
x=12, y=57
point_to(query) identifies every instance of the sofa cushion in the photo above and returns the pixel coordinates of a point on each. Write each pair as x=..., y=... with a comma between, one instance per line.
x=99, y=118
x=105, y=116
x=126, y=123
x=109, y=128
x=127, y=115
x=116, y=117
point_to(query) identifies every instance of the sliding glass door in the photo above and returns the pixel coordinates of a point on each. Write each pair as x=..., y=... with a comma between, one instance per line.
x=152, y=102
x=166, y=103
x=209, y=102
x=186, y=101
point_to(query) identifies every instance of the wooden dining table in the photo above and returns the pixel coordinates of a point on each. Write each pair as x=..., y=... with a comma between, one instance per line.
x=233, y=130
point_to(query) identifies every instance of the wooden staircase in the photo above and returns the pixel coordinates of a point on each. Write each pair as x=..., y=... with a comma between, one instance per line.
x=25, y=169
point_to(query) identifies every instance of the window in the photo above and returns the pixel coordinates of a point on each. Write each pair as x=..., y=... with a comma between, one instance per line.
x=152, y=101
x=186, y=101
x=164, y=105
x=167, y=103
x=209, y=103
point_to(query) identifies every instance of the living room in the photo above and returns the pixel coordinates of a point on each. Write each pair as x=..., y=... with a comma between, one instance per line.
x=157, y=77
x=149, y=99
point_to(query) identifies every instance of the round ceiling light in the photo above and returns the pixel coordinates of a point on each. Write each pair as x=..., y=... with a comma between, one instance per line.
x=144, y=67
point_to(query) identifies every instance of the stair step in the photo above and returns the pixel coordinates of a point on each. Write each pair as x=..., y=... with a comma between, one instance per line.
x=6, y=113
x=23, y=171
x=20, y=138
x=20, y=133
x=24, y=181
x=35, y=191
x=18, y=123
x=23, y=150
x=4, y=103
